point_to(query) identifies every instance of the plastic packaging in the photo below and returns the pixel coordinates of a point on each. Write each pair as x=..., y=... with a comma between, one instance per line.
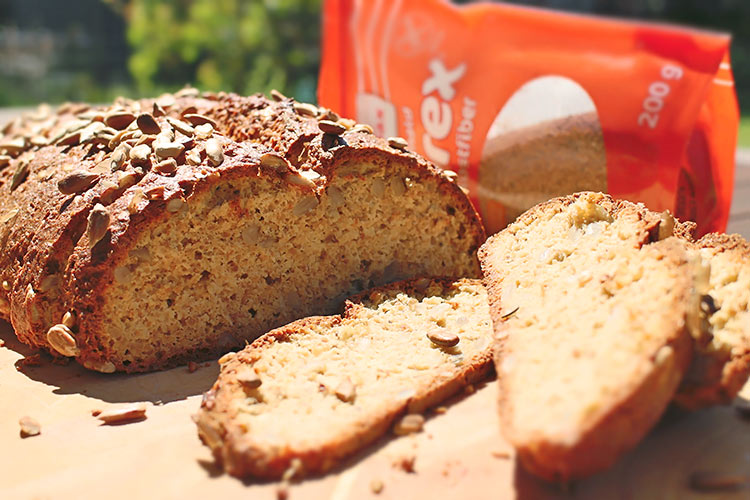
x=526, y=104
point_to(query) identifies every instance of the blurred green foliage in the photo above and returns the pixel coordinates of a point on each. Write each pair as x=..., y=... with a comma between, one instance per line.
x=241, y=45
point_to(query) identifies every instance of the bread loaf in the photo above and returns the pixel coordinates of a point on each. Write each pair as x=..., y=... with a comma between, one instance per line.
x=311, y=393
x=591, y=313
x=722, y=363
x=139, y=236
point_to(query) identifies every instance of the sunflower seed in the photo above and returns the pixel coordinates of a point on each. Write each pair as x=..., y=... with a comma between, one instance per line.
x=450, y=175
x=29, y=427
x=13, y=146
x=126, y=179
x=275, y=162
x=409, y=424
x=99, y=365
x=98, y=224
x=22, y=171
x=158, y=110
x=187, y=92
x=119, y=120
x=376, y=486
x=4, y=161
x=77, y=182
x=331, y=127
x=168, y=149
x=123, y=275
x=181, y=126
x=165, y=101
x=198, y=119
x=166, y=167
x=122, y=415
x=139, y=154
x=298, y=179
x=89, y=132
x=9, y=216
x=155, y=193
x=175, y=204
x=398, y=143
x=305, y=205
x=61, y=339
x=443, y=338
x=148, y=124
x=346, y=391
x=193, y=157
x=277, y=96
x=304, y=109
x=214, y=152
x=69, y=319
x=204, y=131
x=362, y=128
x=118, y=156
x=327, y=114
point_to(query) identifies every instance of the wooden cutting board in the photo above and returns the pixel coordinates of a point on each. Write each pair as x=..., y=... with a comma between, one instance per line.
x=460, y=453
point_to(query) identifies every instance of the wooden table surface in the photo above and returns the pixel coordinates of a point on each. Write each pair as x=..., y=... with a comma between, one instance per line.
x=460, y=454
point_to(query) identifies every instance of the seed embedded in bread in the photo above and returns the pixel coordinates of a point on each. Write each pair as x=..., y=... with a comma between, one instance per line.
x=98, y=224
x=77, y=182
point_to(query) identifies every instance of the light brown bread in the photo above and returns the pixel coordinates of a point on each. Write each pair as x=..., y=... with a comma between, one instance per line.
x=599, y=339
x=208, y=234
x=311, y=393
x=722, y=365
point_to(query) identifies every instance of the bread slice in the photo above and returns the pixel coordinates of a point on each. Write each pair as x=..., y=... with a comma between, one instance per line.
x=590, y=313
x=722, y=366
x=202, y=238
x=313, y=392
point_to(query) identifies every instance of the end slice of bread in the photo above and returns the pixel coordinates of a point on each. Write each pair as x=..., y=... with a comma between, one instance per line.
x=599, y=339
x=722, y=366
x=311, y=393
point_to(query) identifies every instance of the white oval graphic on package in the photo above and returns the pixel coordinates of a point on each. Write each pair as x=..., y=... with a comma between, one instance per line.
x=545, y=142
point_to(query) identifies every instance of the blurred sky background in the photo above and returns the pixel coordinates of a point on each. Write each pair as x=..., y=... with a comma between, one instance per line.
x=94, y=50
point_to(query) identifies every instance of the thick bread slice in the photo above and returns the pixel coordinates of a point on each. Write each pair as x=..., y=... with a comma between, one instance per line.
x=378, y=348
x=196, y=240
x=722, y=366
x=598, y=342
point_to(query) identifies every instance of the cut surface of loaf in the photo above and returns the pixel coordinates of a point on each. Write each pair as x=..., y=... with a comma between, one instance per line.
x=315, y=391
x=143, y=236
x=598, y=342
x=722, y=366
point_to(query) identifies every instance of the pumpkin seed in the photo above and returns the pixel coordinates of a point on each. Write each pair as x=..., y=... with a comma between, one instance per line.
x=166, y=167
x=139, y=154
x=29, y=427
x=443, y=338
x=20, y=175
x=409, y=424
x=98, y=224
x=147, y=124
x=277, y=96
x=13, y=146
x=331, y=127
x=214, y=152
x=204, y=131
x=398, y=143
x=181, y=126
x=304, y=109
x=196, y=119
x=119, y=120
x=275, y=162
x=77, y=182
x=61, y=339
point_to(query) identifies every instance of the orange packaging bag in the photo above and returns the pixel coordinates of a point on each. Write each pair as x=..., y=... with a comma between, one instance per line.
x=526, y=104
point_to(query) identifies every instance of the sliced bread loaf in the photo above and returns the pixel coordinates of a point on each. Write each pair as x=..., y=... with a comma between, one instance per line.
x=138, y=236
x=722, y=366
x=313, y=392
x=590, y=313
